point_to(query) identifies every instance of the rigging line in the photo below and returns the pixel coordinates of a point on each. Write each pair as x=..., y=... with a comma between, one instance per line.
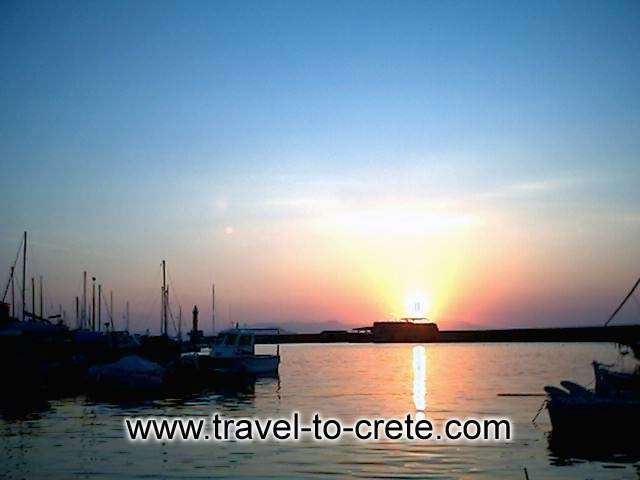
x=173, y=287
x=15, y=262
x=636, y=301
x=106, y=307
x=615, y=312
x=172, y=319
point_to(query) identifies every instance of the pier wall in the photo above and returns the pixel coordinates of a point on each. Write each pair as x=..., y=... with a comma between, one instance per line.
x=617, y=333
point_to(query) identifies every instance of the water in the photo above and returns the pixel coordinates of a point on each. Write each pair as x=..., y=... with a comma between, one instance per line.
x=77, y=438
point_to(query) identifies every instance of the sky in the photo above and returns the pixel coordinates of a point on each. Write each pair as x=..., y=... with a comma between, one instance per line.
x=326, y=164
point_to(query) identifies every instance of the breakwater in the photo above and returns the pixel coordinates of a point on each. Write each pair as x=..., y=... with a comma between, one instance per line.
x=619, y=333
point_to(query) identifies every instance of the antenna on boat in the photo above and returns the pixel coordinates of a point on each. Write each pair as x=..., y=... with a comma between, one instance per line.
x=213, y=309
x=623, y=302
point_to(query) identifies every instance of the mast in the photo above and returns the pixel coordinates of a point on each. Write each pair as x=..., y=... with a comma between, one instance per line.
x=624, y=300
x=127, y=315
x=77, y=312
x=33, y=298
x=213, y=309
x=164, y=298
x=93, y=304
x=24, y=273
x=180, y=322
x=113, y=316
x=99, y=306
x=83, y=318
x=13, y=295
x=41, y=312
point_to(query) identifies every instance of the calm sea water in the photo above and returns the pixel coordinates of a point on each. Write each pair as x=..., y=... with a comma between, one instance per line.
x=78, y=438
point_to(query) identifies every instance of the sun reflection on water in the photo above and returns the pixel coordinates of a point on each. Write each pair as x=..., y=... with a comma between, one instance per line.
x=419, y=377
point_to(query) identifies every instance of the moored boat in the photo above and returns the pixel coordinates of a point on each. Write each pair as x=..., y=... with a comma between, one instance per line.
x=234, y=352
x=612, y=407
x=130, y=374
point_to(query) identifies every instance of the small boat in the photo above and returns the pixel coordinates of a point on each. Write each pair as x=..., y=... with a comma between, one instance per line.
x=129, y=374
x=234, y=352
x=576, y=413
x=613, y=406
x=617, y=383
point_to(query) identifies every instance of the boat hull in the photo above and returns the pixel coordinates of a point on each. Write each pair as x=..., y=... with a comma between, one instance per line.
x=594, y=417
x=247, y=364
x=583, y=412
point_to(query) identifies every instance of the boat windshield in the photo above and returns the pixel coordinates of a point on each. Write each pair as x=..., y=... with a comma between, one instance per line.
x=231, y=339
x=245, y=340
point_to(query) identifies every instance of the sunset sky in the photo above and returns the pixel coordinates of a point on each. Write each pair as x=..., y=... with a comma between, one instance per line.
x=327, y=162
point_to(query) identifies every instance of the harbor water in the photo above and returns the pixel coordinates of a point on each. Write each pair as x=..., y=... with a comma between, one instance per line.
x=77, y=437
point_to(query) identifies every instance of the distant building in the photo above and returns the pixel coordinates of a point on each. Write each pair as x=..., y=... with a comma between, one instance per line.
x=404, y=330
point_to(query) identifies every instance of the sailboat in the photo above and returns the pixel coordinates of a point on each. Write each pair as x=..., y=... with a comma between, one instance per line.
x=161, y=349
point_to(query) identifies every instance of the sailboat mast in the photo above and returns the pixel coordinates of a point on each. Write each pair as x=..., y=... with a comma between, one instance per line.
x=166, y=310
x=213, y=309
x=99, y=307
x=13, y=295
x=33, y=298
x=633, y=289
x=83, y=316
x=41, y=302
x=113, y=316
x=93, y=304
x=164, y=298
x=77, y=312
x=24, y=273
x=127, y=315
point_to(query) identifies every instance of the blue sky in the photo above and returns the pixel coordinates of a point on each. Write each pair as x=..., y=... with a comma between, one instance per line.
x=130, y=132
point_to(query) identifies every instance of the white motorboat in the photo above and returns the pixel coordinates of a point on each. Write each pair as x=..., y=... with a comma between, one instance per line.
x=234, y=352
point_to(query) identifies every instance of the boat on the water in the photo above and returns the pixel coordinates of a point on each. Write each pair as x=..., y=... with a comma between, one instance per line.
x=129, y=374
x=612, y=406
x=234, y=352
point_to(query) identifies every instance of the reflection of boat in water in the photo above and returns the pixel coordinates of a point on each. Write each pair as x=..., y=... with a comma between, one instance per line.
x=234, y=352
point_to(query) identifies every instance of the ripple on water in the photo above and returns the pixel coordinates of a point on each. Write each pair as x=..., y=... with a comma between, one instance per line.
x=82, y=437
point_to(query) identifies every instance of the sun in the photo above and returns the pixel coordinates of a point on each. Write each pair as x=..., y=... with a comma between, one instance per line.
x=417, y=305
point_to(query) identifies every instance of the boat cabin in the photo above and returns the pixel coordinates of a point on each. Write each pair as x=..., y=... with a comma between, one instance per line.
x=233, y=342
